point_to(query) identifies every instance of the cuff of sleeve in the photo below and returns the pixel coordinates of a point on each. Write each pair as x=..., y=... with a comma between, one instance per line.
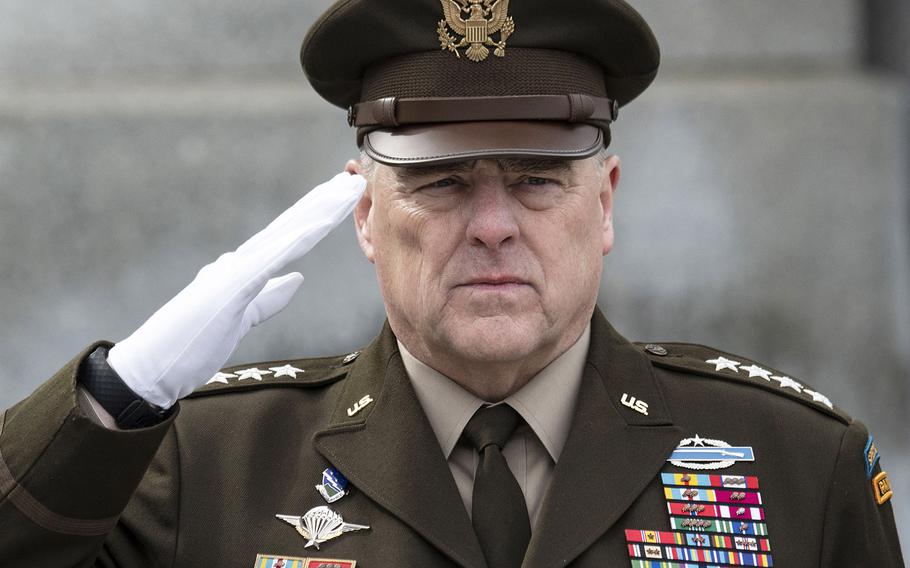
x=67, y=463
x=128, y=409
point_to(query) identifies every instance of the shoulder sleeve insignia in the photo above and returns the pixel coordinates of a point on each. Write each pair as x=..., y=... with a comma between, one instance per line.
x=881, y=487
x=870, y=456
x=693, y=358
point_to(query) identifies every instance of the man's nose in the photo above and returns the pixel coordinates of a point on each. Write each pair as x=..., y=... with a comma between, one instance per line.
x=492, y=223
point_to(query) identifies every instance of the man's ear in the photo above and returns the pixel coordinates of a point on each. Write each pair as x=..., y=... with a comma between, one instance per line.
x=612, y=168
x=363, y=212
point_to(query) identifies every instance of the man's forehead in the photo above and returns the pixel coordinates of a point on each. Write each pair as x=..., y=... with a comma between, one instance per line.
x=511, y=165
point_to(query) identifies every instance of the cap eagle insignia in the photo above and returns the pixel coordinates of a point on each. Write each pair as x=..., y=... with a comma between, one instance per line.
x=485, y=18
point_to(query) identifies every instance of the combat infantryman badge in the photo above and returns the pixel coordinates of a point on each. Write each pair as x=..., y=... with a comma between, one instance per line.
x=319, y=525
x=704, y=453
x=485, y=18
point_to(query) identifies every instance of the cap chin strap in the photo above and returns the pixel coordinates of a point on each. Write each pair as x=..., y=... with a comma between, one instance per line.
x=391, y=112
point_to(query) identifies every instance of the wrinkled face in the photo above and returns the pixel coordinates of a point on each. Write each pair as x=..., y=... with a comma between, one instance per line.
x=489, y=260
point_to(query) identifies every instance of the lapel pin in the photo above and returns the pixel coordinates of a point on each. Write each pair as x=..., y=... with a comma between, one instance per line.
x=334, y=485
x=360, y=405
x=320, y=524
x=635, y=404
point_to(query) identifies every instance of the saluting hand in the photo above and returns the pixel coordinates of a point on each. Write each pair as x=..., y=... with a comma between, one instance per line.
x=192, y=336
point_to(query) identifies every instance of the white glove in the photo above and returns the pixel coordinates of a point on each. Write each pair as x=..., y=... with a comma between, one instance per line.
x=192, y=336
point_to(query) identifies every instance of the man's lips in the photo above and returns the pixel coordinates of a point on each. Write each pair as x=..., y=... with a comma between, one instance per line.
x=495, y=281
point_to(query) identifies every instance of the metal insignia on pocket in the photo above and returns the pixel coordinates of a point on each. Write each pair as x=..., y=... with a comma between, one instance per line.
x=320, y=524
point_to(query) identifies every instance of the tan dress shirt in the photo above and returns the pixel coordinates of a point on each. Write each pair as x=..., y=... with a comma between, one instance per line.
x=547, y=403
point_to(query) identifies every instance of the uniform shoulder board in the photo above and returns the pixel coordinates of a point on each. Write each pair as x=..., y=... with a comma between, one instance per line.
x=710, y=362
x=304, y=373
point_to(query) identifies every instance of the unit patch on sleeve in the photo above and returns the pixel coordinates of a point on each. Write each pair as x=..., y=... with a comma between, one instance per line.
x=870, y=455
x=882, y=488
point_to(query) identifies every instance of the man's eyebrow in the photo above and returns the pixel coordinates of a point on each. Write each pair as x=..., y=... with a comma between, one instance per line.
x=407, y=174
x=410, y=173
x=524, y=165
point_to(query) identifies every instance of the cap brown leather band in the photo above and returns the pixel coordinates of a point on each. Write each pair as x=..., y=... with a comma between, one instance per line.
x=390, y=112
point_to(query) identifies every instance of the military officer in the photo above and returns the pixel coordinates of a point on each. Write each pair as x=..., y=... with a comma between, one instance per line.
x=498, y=419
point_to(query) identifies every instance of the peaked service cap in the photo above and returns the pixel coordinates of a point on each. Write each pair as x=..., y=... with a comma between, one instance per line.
x=434, y=81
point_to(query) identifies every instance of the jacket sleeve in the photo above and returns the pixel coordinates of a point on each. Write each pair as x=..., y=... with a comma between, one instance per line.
x=858, y=529
x=65, y=481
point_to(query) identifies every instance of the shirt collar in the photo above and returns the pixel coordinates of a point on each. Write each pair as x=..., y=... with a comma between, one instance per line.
x=547, y=402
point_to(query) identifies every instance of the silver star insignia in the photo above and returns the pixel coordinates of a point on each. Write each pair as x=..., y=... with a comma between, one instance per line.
x=756, y=371
x=221, y=378
x=286, y=371
x=253, y=373
x=789, y=383
x=724, y=363
x=819, y=397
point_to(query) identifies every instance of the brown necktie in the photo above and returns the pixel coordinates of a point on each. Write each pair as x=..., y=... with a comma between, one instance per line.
x=499, y=512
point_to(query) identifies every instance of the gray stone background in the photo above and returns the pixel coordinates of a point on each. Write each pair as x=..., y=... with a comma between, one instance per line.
x=763, y=208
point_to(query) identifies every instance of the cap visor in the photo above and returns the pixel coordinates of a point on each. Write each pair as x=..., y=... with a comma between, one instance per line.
x=459, y=141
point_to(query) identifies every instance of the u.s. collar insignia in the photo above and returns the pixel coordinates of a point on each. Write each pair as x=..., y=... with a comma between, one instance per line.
x=334, y=485
x=485, y=18
x=704, y=453
x=320, y=524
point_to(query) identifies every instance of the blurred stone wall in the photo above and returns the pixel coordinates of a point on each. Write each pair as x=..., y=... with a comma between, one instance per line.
x=763, y=207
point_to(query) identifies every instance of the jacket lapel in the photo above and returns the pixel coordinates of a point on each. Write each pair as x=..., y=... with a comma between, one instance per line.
x=388, y=451
x=611, y=455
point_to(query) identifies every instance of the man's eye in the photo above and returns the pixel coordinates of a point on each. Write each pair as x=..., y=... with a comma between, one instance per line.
x=538, y=182
x=445, y=183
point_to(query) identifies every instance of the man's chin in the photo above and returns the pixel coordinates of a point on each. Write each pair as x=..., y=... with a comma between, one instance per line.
x=496, y=339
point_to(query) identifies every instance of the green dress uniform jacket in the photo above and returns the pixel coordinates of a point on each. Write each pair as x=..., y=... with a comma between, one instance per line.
x=204, y=487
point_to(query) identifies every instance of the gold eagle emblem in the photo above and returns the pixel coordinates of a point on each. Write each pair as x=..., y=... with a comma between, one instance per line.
x=485, y=18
